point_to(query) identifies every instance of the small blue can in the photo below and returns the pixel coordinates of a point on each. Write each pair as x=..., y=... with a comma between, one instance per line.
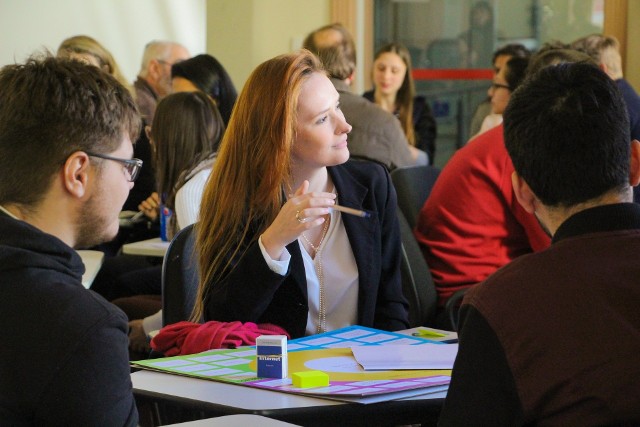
x=165, y=223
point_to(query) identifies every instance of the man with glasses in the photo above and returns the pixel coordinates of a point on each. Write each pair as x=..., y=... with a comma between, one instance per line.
x=65, y=171
x=154, y=78
x=500, y=58
x=471, y=224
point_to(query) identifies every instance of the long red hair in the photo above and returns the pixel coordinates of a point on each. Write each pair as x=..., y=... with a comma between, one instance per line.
x=245, y=190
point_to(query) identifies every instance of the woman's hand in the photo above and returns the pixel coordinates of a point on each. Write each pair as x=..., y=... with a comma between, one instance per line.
x=302, y=212
x=151, y=206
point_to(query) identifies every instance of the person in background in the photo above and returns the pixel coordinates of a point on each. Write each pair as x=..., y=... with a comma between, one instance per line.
x=395, y=93
x=500, y=57
x=480, y=37
x=88, y=50
x=471, y=224
x=566, y=130
x=151, y=85
x=185, y=135
x=201, y=73
x=605, y=50
x=377, y=134
x=205, y=73
x=154, y=78
x=65, y=171
x=270, y=248
x=505, y=81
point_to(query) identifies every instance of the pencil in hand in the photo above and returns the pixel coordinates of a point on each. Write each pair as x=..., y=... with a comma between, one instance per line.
x=351, y=211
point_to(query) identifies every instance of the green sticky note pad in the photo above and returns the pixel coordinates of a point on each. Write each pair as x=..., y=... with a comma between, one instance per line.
x=308, y=379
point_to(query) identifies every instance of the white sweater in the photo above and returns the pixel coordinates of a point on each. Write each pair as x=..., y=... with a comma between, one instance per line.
x=188, y=199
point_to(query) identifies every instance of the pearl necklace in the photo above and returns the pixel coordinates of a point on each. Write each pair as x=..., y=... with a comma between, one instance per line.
x=322, y=305
x=316, y=249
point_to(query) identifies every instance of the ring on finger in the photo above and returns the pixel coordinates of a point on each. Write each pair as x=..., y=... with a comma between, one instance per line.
x=300, y=220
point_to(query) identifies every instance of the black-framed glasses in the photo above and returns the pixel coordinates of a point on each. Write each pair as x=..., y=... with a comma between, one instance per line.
x=500, y=85
x=131, y=166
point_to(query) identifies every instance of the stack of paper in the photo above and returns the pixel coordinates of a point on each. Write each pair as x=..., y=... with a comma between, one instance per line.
x=393, y=357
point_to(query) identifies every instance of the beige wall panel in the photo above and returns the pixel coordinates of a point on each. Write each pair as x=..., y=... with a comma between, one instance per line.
x=632, y=65
x=244, y=33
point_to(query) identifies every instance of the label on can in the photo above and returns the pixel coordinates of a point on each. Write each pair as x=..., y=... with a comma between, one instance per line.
x=165, y=223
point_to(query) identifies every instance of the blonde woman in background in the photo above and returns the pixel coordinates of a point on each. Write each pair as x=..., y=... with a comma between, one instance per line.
x=395, y=92
x=90, y=51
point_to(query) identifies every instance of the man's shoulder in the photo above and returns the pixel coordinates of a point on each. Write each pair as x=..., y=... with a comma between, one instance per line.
x=483, y=155
x=66, y=296
x=491, y=137
x=363, y=108
x=631, y=97
x=522, y=276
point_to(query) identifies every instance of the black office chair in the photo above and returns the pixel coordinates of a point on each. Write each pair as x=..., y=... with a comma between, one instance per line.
x=413, y=185
x=417, y=284
x=179, y=277
x=452, y=310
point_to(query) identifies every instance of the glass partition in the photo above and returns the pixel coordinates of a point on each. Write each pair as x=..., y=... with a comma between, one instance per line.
x=452, y=43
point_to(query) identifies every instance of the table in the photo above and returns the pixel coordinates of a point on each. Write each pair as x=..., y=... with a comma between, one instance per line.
x=234, y=421
x=150, y=247
x=217, y=398
x=92, y=262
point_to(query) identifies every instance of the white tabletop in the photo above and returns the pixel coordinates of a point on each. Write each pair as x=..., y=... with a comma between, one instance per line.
x=219, y=393
x=92, y=262
x=234, y=399
x=242, y=420
x=151, y=247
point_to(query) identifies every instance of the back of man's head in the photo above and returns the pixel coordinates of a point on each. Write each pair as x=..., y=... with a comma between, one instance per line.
x=554, y=56
x=336, y=49
x=604, y=50
x=49, y=109
x=567, y=131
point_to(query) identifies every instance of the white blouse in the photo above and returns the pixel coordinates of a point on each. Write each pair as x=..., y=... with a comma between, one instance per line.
x=340, y=277
x=189, y=197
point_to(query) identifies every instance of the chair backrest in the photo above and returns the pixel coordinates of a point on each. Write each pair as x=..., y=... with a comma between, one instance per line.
x=413, y=185
x=452, y=310
x=417, y=284
x=179, y=277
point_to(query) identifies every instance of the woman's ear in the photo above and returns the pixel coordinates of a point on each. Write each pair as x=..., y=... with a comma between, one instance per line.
x=76, y=173
x=523, y=193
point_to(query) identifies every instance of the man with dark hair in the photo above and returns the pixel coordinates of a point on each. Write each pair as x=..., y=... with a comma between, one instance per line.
x=553, y=338
x=65, y=171
x=376, y=134
x=499, y=59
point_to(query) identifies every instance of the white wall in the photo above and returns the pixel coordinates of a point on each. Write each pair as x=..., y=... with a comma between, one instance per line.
x=122, y=26
x=241, y=34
